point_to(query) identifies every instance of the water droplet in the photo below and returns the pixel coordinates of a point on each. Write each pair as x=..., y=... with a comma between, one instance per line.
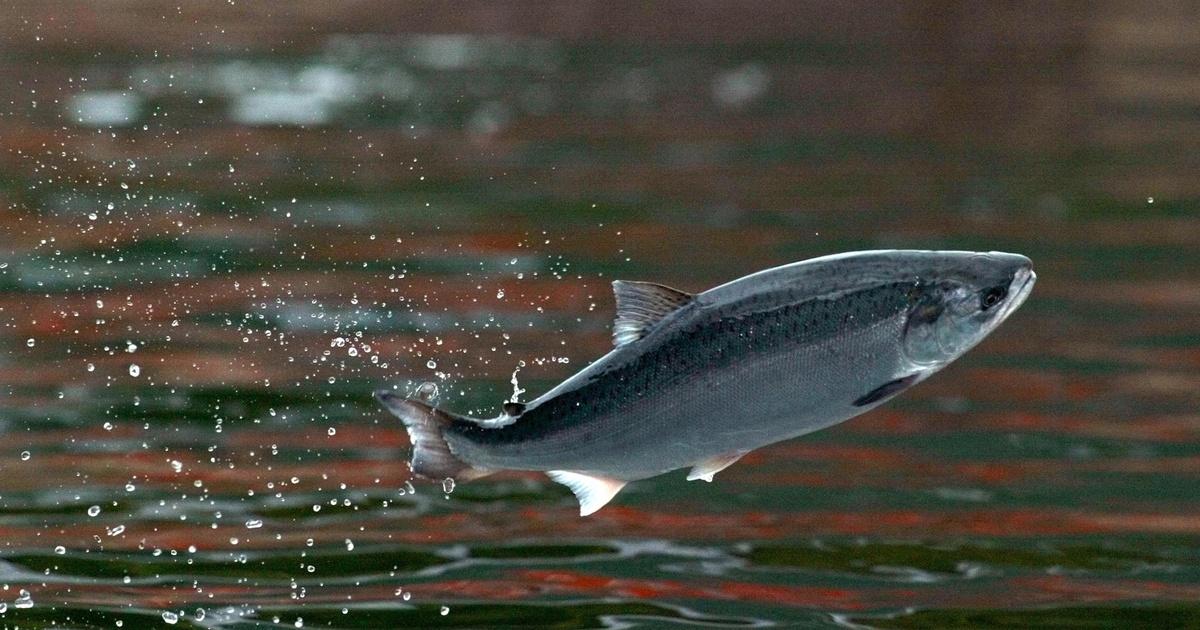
x=200, y=614
x=332, y=431
x=30, y=342
x=24, y=600
x=60, y=550
x=349, y=545
x=253, y=524
x=500, y=294
x=94, y=510
x=116, y=531
x=445, y=610
x=130, y=487
x=427, y=391
x=431, y=364
x=176, y=465
x=134, y=370
x=25, y=456
x=170, y=617
x=448, y=485
x=91, y=367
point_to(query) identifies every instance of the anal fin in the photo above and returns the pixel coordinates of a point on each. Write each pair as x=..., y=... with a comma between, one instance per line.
x=713, y=465
x=592, y=491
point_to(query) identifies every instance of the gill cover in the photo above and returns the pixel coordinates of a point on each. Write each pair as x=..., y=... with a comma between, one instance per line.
x=948, y=315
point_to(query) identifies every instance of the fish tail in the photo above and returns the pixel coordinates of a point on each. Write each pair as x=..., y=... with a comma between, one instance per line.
x=432, y=457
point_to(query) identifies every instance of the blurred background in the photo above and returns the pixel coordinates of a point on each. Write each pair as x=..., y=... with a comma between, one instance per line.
x=223, y=224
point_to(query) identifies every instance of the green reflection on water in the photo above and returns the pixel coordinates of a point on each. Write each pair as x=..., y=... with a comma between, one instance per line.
x=1133, y=616
x=866, y=558
x=579, y=615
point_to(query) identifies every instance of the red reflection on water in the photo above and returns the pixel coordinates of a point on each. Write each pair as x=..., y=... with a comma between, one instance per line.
x=561, y=582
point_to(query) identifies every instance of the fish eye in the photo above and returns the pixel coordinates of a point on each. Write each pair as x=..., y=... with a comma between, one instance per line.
x=993, y=296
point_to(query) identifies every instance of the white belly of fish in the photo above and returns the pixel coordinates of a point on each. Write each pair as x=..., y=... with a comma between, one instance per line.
x=755, y=402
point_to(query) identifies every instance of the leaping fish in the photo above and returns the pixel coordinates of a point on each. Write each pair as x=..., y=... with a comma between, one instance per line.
x=698, y=380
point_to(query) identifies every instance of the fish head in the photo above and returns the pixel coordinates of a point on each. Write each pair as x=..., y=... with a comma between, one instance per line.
x=958, y=299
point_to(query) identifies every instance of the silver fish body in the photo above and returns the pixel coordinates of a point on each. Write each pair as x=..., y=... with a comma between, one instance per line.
x=698, y=380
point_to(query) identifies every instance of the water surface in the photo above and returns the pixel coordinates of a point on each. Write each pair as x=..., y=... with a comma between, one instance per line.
x=221, y=230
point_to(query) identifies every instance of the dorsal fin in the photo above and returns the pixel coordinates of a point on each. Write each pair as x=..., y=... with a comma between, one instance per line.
x=592, y=491
x=514, y=408
x=641, y=305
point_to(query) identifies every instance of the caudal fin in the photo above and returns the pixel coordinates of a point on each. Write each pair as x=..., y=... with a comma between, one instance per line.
x=431, y=456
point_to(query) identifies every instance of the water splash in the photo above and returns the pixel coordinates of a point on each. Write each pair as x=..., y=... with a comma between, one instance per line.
x=517, y=390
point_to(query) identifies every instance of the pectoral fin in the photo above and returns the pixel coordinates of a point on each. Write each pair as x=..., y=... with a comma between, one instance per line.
x=713, y=465
x=890, y=388
x=593, y=492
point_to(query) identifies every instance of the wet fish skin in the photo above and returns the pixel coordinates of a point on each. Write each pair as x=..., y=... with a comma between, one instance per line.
x=764, y=358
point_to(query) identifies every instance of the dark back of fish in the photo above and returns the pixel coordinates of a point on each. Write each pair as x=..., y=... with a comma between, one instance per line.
x=734, y=376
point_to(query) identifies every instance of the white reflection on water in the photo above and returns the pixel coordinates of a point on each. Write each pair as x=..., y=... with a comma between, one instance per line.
x=105, y=108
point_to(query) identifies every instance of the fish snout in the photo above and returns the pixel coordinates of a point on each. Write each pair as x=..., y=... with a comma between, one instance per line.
x=385, y=396
x=1014, y=264
x=1021, y=287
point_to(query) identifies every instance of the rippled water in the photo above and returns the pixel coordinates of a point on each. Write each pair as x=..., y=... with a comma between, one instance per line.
x=222, y=232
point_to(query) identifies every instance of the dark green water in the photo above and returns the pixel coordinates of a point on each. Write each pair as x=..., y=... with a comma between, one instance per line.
x=223, y=225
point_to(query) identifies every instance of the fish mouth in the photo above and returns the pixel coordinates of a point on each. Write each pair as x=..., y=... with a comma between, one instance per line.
x=1022, y=286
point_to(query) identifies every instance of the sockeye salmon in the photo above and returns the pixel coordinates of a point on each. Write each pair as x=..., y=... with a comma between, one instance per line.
x=697, y=381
